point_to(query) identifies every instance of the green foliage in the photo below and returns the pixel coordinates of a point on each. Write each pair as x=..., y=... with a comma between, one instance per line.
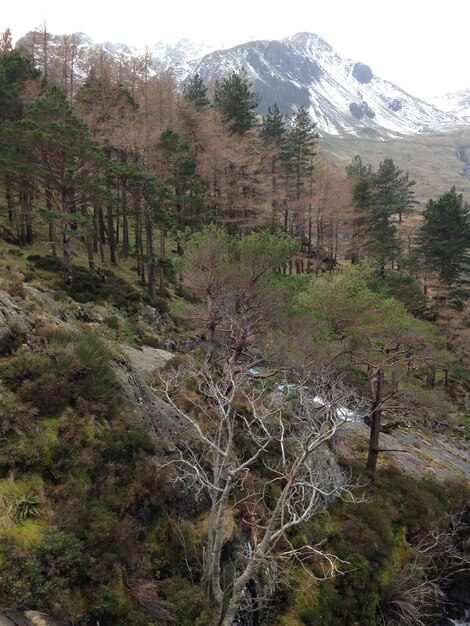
x=48, y=263
x=235, y=100
x=75, y=364
x=15, y=416
x=22, y=366
x=87, y=362
x=378, y=196
x=273, y=129
x=195, y=92
x=27, y=506
x=50, y=393
x=44, y=577
x=377, y=539
x=188, y=603
x=15, y=70
x=298, y=150
x=358, y=171
x=265, y=250
x=401, y=286
x=89, y=286
x=444, y=237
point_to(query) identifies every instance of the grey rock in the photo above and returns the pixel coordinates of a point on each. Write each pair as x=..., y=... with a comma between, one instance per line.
x=26, y=618
x=13, y=322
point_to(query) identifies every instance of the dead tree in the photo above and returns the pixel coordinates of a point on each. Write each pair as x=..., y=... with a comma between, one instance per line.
x=234, y=428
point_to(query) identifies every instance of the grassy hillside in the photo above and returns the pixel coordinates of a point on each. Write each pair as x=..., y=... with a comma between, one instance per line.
x=432, y=160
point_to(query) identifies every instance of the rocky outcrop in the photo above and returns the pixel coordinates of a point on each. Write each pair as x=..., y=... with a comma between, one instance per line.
x=14, y=322
x=26, y=618
x=136, y=394
x=146, y=360
x=414, y=451
x=362, y=73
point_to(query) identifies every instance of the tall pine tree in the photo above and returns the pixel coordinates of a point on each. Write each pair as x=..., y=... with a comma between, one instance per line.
x=444, y=237
x=237, y=103
x=195, y=91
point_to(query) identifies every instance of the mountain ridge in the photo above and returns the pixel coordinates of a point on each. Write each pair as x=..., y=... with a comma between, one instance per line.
x=343, y=96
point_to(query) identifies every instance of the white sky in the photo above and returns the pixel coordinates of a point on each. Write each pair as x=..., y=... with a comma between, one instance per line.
x=421, y=45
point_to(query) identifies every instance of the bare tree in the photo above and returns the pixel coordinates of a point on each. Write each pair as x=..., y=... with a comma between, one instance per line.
x=415, y=597
x=259, y=451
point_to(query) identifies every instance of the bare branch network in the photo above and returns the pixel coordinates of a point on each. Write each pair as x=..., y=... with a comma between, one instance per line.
x=258, y=452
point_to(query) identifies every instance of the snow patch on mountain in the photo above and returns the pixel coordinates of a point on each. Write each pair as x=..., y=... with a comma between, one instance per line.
x=342, y=95
x=457, y=103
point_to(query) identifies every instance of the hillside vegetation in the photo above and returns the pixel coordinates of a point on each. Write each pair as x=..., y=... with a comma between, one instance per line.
x=436, y=161
x=234, y=380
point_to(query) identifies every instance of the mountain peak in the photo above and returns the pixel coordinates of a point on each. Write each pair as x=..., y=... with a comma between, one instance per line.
x=305, y=38
x=343, y=96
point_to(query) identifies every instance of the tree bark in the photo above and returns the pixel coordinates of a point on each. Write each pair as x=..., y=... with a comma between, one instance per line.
x=150, y=256
x=376, y=384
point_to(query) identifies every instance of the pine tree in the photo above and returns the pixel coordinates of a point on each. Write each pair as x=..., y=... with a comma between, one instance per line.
x=298, y=149
x=273, y=129
x=357, y=170
x=195, y=91
x=51, y=154
x=237, y=103
x=362, y=201
x=444, y=237
x=378, y=197
x=15, y=70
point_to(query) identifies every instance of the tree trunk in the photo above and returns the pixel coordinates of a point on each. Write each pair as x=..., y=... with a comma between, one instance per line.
x=26, y=228
x=88, y=237
x=99, y=228
x=111, y=237
x=10, y=201
x=67, y=252
x=125, y=222
x=150, y=256
x=52, y=231
x=162, y=257
x=376, y=384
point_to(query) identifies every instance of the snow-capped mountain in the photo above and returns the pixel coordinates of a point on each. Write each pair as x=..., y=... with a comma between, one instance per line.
x=178, y=56
x=457, y=103
x=343, y=96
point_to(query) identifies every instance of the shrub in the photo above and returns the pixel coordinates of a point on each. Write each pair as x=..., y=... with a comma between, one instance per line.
x=47, y=263
x=50, y=393
x=87, y=362
x=62, y=554
x=27, y=506
x=24, y=365
x=15, y=416
x=401, y=286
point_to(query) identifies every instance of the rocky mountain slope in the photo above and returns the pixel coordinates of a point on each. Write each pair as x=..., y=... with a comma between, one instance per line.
x=344, y=96
x=456, y=103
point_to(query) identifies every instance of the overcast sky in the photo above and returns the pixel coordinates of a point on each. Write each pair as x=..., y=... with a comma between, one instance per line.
x=421, y=45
